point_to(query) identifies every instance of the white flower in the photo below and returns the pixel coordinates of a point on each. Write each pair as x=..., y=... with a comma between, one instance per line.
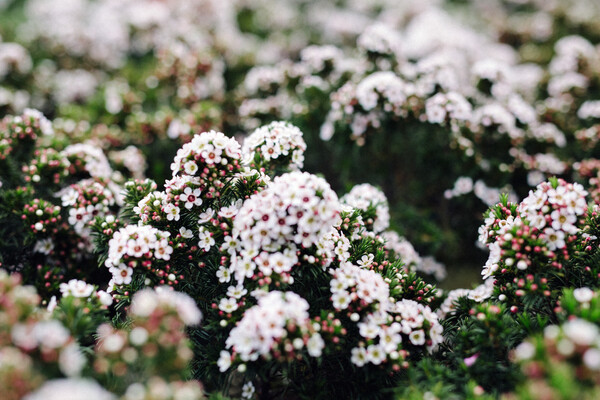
x=375, y=354
x=223, y=274
x=581, y=332
x=248, y=390
x=105, y=298
x=191, y=197
x=206, y=240
x=417, y=337
x=76, y=288
x=366, y=260
x=369, y=330
x=390, y=339
x=591, y=359
x=186, y=233
x=112, y=343
x=224, y=361
x=583, y=295
x=163, y=250
x=228, y=212
x=71, y=360
x=52, y=304
x=341, y=300
x=556, y=239
x=315, y=345
x=144, y=303
x=70, y=197
x=122, y=275
x=524, y=351
x=172, y=212
x=138, y=336
x=51, y=334
x=359, y=356
x=190, y=168
x=44, y=246
x=206, y=216
x=228, y=305
x=237, y=291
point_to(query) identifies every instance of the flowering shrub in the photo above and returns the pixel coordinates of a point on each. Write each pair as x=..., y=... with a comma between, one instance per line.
x=60, y=193
x=43, y=354
x=310, y=283
x=283, y=271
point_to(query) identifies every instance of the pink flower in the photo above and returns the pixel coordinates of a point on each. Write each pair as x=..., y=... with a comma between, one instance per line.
x=469, y=361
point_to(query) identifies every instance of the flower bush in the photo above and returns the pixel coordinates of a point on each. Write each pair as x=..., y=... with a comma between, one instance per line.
x=249, y=199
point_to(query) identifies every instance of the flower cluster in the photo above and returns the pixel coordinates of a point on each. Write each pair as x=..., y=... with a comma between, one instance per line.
x=48, y=166
x=554, y=209
x=42, y=355
x=527, y=243
x=315, y=292
x=86, y=200
x=198, y=75
x=291, y=214
x=401, y=330
x=74, y=387
x=155, y=343
x=76, y=295
x=131, y=159
x=210, y=157
x=569, y=351
x=139, y=247
x=33, y=348
x=87, y=159
x=278, y=144
x=418, y=322
x=354, y=288
x=277, y=327
x=366, y=197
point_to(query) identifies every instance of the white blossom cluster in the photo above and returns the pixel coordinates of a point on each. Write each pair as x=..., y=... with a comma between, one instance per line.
x=132, y=159
x=419, y=323
x=48, y=336
x=192, y=41
x=364, y=196
x=555, y=211
x=488, y=195
x=280, y=321
x=71, y=389
x=152, y=203
x=292, y=213
x=589, y=109
x=449, y=107
x=86, y=200
x=404, y=321
x=209, y=156
x=96, y=163
x=351, y=284
x=576, y=337
x=478, y=294
x=147, y=301
x=551, y=214
x=132, y=243
x=334, y=245
x=277, y=141
x=380, y=38
x=14, y=58
x=403, y=249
